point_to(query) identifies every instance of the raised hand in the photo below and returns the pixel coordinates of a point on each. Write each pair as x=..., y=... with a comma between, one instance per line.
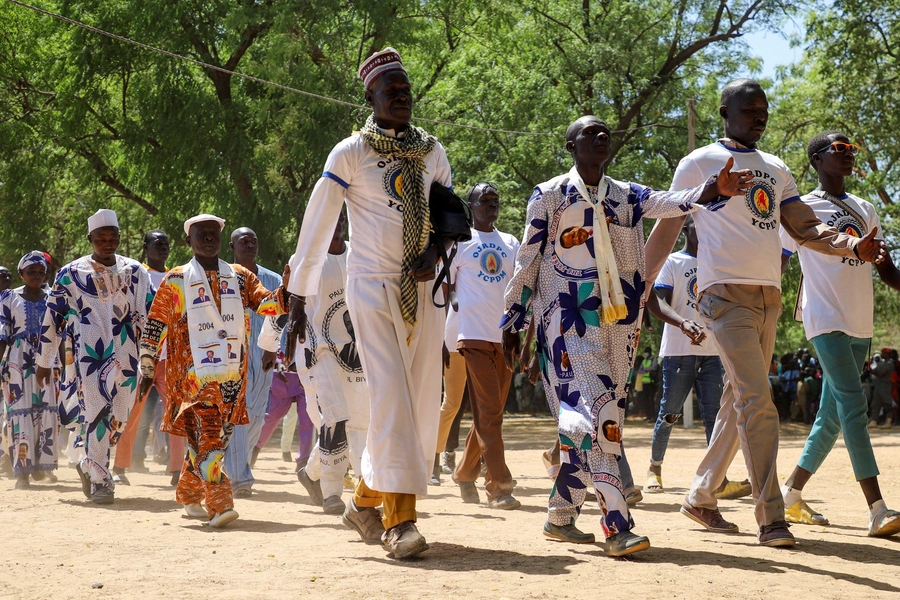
x=733, y=183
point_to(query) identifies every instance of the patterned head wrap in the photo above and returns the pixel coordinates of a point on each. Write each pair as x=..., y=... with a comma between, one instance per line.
x=33, y=257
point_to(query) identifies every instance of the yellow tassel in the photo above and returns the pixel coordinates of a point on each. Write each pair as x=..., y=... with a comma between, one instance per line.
x=609, y=315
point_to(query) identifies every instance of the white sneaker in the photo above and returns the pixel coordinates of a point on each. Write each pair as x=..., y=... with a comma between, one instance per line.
x=885, y=524
x=195, y=511
x=223, y=518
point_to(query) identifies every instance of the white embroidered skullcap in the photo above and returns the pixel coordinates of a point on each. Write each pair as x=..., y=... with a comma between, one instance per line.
x=103, y=218
x=201, y=218
x=379, y=63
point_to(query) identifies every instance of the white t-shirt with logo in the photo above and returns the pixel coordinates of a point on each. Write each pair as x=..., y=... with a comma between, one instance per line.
x=837, y=291
x=481, y=269
x=739, y=240
x=371, y=186
x=679, y=274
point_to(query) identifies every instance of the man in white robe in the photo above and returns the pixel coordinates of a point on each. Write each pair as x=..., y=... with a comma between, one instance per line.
x=384, y=174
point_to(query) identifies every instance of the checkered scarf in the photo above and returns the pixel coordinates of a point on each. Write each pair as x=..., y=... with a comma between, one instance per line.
x=411, y=149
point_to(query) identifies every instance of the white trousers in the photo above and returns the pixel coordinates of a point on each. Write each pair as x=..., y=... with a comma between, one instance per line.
x=403, y=371
x=341, y=396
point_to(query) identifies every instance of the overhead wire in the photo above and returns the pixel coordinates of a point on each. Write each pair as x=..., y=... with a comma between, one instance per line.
x=259, y=80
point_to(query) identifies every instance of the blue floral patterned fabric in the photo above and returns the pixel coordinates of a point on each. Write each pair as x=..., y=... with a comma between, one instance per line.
x=103, y=309
x=31, y=410
x=585, y=364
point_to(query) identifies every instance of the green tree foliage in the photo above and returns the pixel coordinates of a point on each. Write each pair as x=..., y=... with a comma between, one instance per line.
x=87, y=121
x=847, y=81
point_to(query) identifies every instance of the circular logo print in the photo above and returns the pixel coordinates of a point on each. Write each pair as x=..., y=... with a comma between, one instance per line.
x=393, y=182
x=760, y=200
x=337, y=330
x=572, y=234
x=692, y=288
x=491, y=263
x=851, y=227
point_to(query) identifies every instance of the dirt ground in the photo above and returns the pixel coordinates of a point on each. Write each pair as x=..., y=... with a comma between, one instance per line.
x=57, y=545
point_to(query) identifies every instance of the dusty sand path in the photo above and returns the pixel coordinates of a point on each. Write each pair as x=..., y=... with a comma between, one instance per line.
x=56, y=545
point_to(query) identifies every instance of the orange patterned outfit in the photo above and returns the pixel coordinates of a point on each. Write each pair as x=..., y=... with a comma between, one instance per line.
x=206, y=417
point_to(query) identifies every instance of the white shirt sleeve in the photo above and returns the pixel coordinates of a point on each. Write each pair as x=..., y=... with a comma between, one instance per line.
x=790, y=191
x=687, y=175
x=665, y=280
x=319, y=220
x=873, y=220
x=443, y=175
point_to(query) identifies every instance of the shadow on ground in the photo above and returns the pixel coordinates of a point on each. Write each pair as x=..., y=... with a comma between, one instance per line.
x=455, y=557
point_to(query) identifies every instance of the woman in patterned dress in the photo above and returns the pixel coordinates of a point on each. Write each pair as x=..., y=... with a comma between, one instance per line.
x=31, y=410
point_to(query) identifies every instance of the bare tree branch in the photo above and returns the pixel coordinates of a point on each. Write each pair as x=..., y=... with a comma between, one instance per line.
x=109, y=177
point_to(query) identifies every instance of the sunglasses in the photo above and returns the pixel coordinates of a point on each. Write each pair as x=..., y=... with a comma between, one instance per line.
x=841, y=147
x=483, y=188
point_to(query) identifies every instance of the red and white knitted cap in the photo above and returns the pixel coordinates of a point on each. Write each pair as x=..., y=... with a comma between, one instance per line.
x=379, y=63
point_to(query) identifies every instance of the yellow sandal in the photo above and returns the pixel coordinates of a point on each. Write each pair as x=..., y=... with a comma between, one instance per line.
x=801, y=512
x=654, y=484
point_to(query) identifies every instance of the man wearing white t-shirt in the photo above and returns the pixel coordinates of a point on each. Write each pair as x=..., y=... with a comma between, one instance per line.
x=384, y=173
x=690, y=359
x=837, y=305
x=481, y=270
x=739, y=282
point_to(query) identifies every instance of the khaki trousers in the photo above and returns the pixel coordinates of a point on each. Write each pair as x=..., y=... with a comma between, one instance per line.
x=454, y=389
x=488, y=383
x=743, y=319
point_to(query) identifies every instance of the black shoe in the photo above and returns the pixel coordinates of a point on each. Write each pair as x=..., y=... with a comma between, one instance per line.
x=468, y=492
x=567, y=533
x=312, y=487
x=287, y=457
x=119, y=476
x=103, y=495
x=776, y=535
x=176, y=477
x=85, y=481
